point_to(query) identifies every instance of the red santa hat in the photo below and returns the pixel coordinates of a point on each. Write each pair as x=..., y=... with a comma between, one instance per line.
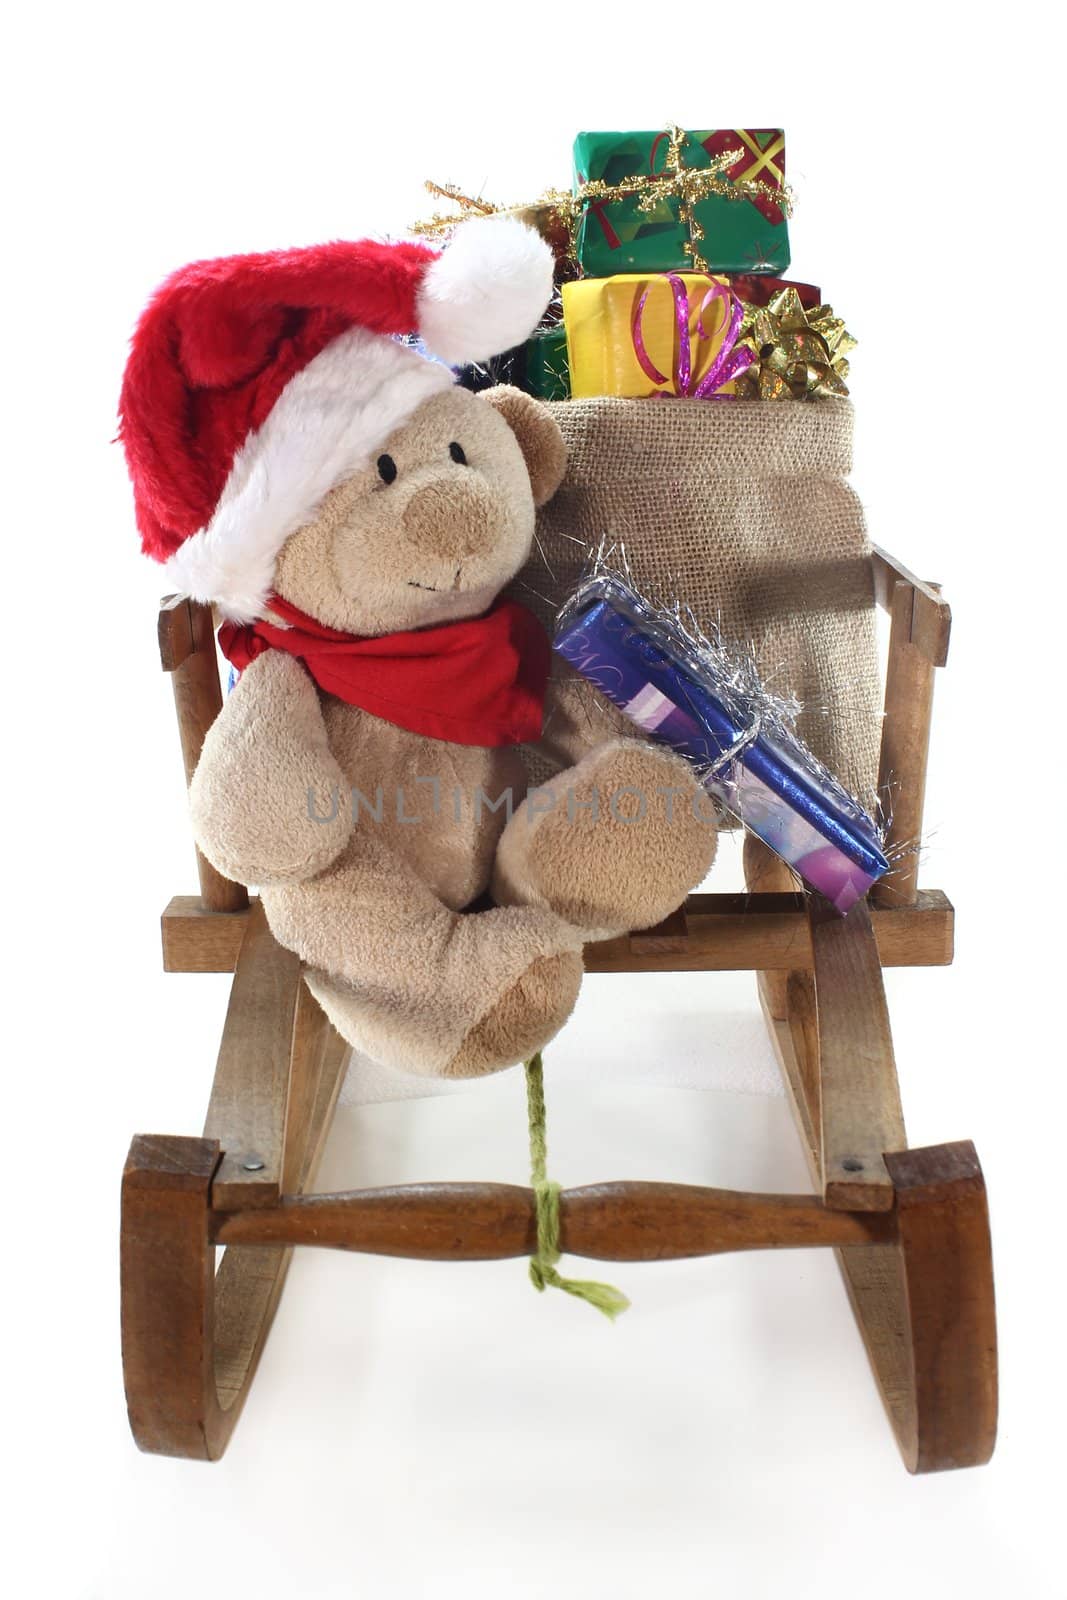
x=257, y=383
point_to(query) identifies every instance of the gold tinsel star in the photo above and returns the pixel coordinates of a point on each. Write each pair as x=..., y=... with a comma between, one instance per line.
x=557, y=213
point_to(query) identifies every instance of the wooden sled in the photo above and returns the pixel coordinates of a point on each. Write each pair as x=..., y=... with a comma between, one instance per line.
x=910, y=1227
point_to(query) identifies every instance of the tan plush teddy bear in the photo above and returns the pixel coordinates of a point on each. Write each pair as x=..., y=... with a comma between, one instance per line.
x=357, y=516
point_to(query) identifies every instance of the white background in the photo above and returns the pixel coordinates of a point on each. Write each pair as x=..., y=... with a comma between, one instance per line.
x=428, y=1431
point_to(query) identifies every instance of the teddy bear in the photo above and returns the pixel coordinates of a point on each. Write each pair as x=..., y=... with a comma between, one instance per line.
x=356, y=519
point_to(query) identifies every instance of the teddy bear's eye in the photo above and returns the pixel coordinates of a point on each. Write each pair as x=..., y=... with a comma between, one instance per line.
x=386, y=468
x=456, y=451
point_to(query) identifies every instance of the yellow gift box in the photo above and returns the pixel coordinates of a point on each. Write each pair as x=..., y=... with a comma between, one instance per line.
x=624, y=335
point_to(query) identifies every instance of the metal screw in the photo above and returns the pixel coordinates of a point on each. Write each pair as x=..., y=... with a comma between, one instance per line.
x=253, y=1164
x=850, y=1164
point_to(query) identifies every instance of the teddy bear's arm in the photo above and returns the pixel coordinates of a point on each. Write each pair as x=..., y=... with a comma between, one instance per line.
x=269, y=802
x=578, y=718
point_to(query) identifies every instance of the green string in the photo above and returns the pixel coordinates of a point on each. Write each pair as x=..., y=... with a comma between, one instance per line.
x=543, y=1274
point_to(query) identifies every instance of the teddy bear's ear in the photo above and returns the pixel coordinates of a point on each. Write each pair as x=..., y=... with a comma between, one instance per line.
x=539, y=438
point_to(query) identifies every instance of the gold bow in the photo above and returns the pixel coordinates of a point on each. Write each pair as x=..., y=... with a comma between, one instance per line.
x=799, y=355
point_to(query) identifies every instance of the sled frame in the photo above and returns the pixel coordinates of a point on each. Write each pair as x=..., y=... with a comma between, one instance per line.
x=910, y=1227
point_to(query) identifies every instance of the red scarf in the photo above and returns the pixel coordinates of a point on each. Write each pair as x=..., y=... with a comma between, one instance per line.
x=480, y=681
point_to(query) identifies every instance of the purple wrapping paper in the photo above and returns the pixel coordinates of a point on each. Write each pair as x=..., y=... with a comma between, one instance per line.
x=757, y=768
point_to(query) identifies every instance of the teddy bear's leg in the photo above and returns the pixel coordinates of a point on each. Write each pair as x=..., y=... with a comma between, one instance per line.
x=416, y=985
x=611, y=844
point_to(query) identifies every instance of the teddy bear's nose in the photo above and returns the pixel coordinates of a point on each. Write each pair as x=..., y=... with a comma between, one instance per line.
x=456, y=516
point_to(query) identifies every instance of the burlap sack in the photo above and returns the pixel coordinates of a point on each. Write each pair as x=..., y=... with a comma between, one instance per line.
x=744, y=512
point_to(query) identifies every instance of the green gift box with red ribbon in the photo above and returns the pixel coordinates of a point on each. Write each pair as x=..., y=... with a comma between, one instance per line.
x=646, y=212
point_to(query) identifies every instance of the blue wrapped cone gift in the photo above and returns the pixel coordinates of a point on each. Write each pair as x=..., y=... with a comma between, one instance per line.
x=709, y=706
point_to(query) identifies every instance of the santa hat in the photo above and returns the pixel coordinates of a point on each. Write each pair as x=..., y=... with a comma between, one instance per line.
x=257, y=383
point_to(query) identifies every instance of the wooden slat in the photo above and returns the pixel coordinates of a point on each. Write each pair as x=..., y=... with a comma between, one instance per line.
x=722, y=933
x=166, y=1288
x=789, y=1044
x=311, y=1028
x=929, y=616
x=948, y=1268
x=803, y=1023
x=174, y=632
x=609, y=1221
x=909, y=693
x=859, y=1100
x=187, y=651
x=249, y=1283
x=668, y=937
x=769, y=932
x=926, y=1311
x=669, y=1221
x=336, y=1054
x=319, y=1058
x=192, y=1337
x=248, y=1098
x=925, y=1308
x=766, y=873
x=198, y=940
x=247, y=1288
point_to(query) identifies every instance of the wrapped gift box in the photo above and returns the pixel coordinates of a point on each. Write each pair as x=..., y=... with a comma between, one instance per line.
x=508, y=367
x=546, y=372
x=622, y=333
x=623, y=234
x=539, y=367
x=689, y=697
x=756, y=289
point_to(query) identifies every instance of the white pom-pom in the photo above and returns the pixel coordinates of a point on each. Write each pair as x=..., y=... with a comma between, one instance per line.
x=486, y=292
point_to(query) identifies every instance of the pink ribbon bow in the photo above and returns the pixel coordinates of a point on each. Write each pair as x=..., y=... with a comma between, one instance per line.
x=728, y=362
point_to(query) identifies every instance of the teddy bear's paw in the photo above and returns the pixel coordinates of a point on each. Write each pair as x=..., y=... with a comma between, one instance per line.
x=486, y=994
x=612, y=844
x=523, y=1020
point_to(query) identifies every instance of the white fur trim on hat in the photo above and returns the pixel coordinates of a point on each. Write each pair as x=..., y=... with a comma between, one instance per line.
x=328, y=422
x=486, y=291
